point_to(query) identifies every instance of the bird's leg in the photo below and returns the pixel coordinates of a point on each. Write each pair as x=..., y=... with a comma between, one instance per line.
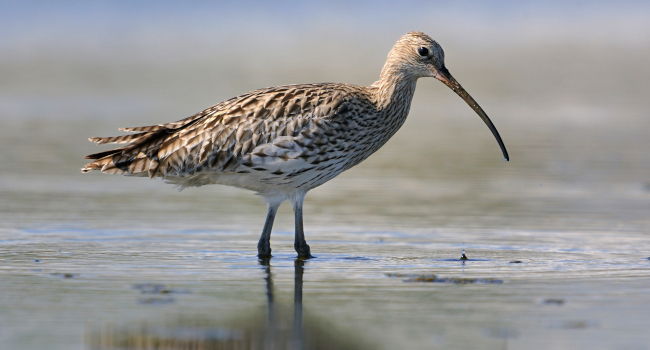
x=301, y=246
x=264, y=245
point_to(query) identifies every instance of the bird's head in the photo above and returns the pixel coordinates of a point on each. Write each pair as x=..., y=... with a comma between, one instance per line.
x=415, y=55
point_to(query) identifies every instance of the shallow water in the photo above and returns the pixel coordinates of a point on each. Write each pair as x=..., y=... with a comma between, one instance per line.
x=558, y=239
x=75, y=288
x=105, y=262
x=109, y=262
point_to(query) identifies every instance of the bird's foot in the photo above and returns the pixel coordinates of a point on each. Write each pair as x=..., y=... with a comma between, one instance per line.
x=264, y=250
x=303, y=250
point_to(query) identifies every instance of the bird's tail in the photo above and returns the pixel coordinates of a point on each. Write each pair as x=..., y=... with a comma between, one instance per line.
x=139, y=156
x=136, y=158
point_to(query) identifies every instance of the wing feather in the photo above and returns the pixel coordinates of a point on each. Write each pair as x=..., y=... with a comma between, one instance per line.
x=220, y=136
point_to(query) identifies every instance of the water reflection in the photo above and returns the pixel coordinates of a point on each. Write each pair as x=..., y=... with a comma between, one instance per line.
x=298, y=329
x=297, y=337
x=278, y=329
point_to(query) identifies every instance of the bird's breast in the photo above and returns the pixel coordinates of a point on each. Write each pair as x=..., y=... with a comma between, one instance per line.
x=319, y=153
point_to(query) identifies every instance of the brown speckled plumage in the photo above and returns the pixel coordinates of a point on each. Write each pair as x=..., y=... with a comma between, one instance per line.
x=282, y=141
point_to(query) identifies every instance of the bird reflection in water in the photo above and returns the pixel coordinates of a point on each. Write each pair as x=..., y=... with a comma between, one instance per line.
x=297, y=339
x=278, y=329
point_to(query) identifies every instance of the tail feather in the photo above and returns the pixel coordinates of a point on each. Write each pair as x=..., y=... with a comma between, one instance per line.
x=172, y=125
x=148, y=128
x=118, y=139
x=140, y=156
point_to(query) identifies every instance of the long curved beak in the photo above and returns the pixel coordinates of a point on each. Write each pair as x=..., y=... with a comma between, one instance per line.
x=444, y=76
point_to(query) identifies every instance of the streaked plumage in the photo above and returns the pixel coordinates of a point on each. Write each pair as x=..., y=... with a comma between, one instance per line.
x=282, y=141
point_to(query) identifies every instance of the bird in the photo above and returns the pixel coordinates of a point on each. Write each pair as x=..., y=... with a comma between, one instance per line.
x=283, y=141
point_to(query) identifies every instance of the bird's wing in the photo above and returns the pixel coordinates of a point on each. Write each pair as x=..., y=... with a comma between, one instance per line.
x=218, y=137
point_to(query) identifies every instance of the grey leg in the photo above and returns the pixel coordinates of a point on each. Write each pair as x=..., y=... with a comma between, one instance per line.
x=264, y=245
x=301, y=246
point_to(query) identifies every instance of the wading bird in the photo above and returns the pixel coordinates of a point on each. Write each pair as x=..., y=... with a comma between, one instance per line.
x=283, y=141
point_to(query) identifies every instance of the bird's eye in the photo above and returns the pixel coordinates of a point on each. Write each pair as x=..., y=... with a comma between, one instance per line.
x=423, y=51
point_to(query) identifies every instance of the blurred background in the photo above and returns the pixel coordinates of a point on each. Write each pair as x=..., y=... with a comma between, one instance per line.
x=565, y=82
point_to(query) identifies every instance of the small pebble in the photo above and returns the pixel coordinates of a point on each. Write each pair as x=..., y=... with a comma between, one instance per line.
x=516, y=262
x=37, y=260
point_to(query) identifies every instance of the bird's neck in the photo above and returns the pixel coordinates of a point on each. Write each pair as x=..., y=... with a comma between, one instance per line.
x=394, y=89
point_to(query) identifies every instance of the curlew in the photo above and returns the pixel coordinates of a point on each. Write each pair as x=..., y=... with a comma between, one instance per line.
x=283, y=141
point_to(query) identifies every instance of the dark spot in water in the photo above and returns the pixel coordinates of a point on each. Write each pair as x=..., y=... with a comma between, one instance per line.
x=575, y=324
x=357, y=258
x=553, y=301
x=433, y=278
x=462, y=260
x=37, y=260
x=516, y=262
x=65, y=274
x=156, y=288
x=156, y=300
